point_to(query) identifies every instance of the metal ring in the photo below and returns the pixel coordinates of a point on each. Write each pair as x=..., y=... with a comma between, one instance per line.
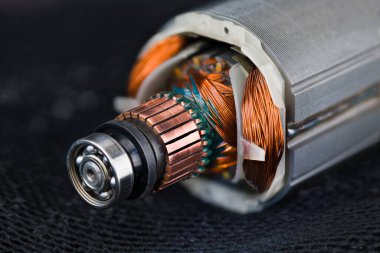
x=120, y=167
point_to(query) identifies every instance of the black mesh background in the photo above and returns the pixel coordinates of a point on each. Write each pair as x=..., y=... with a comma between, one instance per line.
x=61, y=63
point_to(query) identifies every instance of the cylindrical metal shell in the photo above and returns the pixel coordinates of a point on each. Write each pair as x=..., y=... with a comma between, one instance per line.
x=320, y=53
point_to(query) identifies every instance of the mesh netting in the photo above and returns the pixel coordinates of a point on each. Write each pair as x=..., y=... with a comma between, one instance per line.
x=57, y=85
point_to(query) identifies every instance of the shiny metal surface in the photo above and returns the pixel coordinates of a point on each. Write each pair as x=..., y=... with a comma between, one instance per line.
x=92, y=172
x=177, y=130
x=100, y=170
x=326, y=50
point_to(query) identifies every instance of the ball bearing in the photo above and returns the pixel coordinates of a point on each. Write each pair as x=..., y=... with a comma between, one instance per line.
x=100, y=170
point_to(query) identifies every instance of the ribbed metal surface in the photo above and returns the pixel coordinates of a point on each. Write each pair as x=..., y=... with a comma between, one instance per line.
x=326, y=50
x=307, y=37
x=178, y=132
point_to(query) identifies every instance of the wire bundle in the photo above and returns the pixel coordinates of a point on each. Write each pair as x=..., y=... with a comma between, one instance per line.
x=220, y=102
x=152, y=58
x=205, y=82
x=262, y=126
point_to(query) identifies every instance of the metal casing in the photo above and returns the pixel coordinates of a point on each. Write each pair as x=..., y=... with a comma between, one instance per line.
x=325, y=51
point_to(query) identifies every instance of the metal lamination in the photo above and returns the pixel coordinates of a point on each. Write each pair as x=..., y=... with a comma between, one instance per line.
x=178, y=132
x=326, y=50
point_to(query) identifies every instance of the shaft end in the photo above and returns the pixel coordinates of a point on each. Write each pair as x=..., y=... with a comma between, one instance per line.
x=100, y=170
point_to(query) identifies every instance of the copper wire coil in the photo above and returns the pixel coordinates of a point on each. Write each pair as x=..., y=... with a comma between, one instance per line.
x=220, y=97
x=262, y=126
x=261, y=119
x=150, y=60
x=177, y=131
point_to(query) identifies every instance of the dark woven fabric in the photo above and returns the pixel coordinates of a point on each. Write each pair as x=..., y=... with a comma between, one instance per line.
x=60, y=66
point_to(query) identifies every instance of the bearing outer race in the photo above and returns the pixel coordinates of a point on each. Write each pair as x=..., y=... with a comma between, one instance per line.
x=148, y=180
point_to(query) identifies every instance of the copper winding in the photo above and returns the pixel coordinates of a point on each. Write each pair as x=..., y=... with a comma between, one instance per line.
x=262, y=126
x=220, y=97
x=152, y=58
x=261, y=120
x=226, y=160
x=177, y=131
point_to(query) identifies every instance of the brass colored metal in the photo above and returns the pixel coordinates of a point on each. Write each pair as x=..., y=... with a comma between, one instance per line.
x=172, y=158
x=179, y=166
x=163, y=116
x=168, y=124
x=143, y=116
x=183, y=142
x=167, y=181
x=146, y=106
x=178, y=132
